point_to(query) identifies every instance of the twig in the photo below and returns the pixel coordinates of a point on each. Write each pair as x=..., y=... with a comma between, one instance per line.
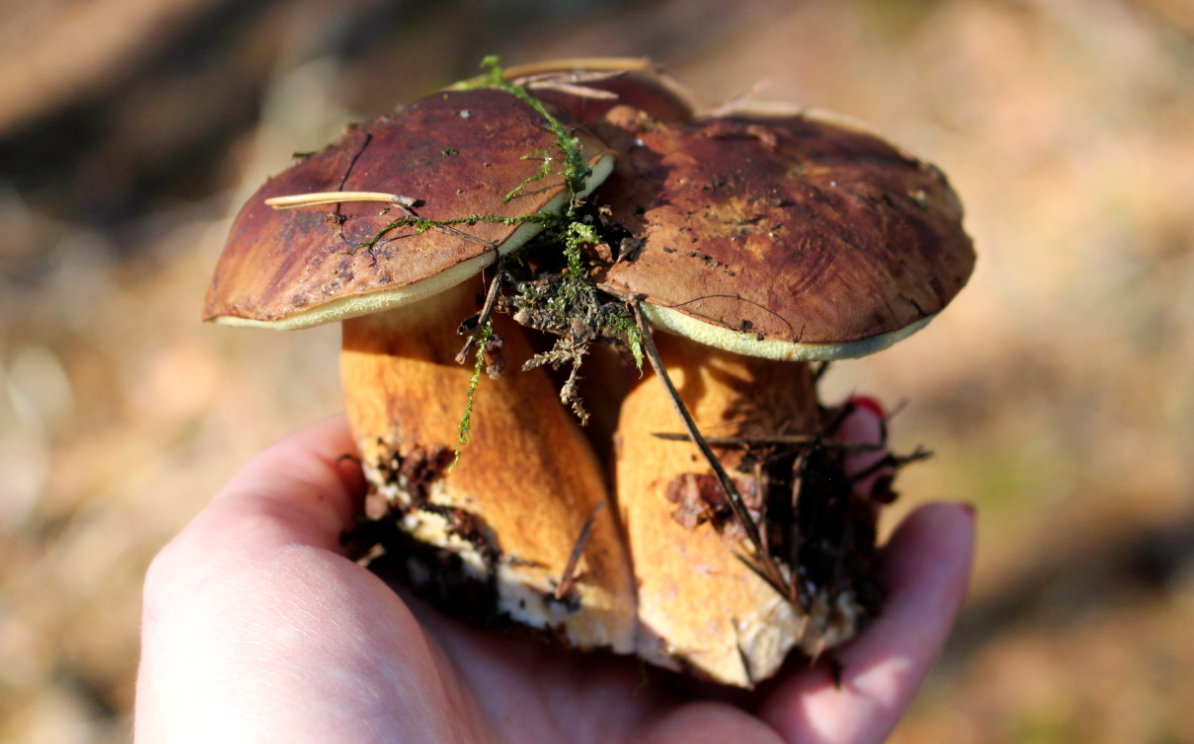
x=578, y=550
x=486, y=310
x=892, y=461
x=796, y=541
x=736, y=441
x=820, y=371
x=839, y=416
x=763, y=441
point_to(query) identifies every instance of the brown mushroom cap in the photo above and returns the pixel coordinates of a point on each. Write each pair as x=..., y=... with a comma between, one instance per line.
x=782, y=236
x=458, y=153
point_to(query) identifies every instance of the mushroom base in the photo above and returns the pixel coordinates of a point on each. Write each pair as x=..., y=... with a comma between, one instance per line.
x=500, y=528
x=490, y=541
x=701, y=608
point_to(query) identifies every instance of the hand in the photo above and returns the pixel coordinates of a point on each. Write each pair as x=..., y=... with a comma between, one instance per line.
x=257, y=628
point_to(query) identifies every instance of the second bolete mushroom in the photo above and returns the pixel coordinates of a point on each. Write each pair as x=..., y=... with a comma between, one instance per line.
x=767, y=242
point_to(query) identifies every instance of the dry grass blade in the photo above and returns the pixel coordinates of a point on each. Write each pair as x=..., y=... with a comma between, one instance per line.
x=769, y=572
x=582, y=540
x=298, y=201
x=576, y=90
x=574, y=77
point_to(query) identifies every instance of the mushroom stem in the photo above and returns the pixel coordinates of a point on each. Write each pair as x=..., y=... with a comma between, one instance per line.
x=514, y=507
x=694, y=434
x=700, y=606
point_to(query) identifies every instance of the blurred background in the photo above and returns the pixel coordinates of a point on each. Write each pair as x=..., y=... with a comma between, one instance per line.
x=1057, y=391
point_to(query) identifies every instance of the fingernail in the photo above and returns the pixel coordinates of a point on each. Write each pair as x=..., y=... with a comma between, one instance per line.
x=868, y=403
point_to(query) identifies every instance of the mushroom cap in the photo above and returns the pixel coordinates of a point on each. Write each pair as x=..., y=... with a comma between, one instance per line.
x=587, y=88
x=787, y=237
x=458, y=153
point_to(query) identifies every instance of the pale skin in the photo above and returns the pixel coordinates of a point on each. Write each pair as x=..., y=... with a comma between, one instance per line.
x=258, y=628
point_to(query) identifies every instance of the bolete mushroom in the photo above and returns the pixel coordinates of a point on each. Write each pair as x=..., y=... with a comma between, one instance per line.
x=767, y=241
x=757, y=243
x=414, y=205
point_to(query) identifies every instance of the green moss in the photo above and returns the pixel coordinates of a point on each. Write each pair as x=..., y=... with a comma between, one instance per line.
x=463, y=435
x=543, y=172
x=566, y=302
x=577, y=235
x=621, y=325
x=576, y=168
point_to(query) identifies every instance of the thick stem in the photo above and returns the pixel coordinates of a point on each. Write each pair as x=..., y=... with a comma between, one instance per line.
x=695, y=436
x=699, y=606
x=525, y=486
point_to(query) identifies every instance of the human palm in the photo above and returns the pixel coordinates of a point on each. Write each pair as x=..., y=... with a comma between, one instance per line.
x=258, y=628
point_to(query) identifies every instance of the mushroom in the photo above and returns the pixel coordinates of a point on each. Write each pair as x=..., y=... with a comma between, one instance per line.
x=758, y=243
x=768, y=242
x=417, y=204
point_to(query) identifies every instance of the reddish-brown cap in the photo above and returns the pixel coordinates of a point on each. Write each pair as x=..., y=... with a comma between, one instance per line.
x=455, y=153
x=813, y=239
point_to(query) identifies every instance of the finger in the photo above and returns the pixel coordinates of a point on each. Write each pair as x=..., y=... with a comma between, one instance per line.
x=708, y=723
x=927, y=568
x=254, y=621
x=863, y=425
x=308, y=486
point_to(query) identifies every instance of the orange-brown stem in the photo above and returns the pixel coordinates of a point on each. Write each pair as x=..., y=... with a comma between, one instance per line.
x=528, y=478
x=700, y=606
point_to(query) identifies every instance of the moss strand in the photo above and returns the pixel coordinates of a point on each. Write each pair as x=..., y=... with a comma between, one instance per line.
x=463, y=436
